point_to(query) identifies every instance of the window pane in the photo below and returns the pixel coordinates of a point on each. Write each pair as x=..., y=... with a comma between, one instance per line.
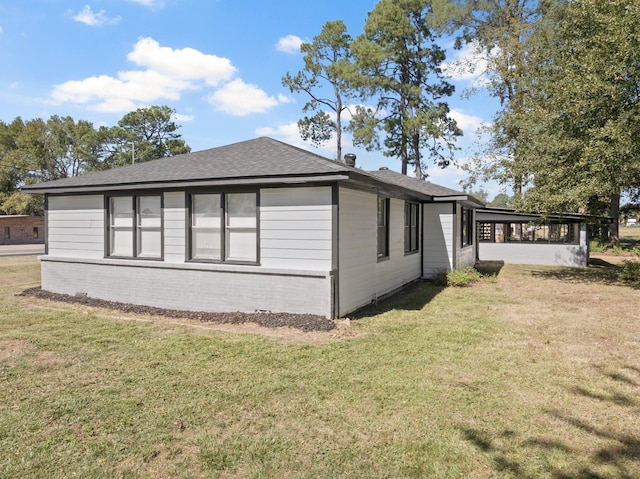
x=206, y=232
x=383, y=221
x=149, y=211
x=205, y=244
x=206, y=211
x=241, y=245
x=122, y=211
x=121, y=242
x=121, y=219
x=242, y=238
x=241, y=210
x=149, y=243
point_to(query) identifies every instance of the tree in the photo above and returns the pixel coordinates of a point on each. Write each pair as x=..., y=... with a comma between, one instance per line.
x=144, y=134
x=501, y=200
x=498, y=31
x=327, y=62
x=583, y=120
x=398, y=62
x=60, y=147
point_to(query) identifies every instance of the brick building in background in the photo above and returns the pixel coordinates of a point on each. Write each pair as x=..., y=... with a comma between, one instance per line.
x=21, y=229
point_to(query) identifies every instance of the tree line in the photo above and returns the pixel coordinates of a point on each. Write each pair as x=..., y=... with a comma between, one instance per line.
x=60, y=147
x=566, y=73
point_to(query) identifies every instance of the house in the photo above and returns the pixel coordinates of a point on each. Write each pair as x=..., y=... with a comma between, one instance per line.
x=528, y=238
x=253, y=226
x=21, y=229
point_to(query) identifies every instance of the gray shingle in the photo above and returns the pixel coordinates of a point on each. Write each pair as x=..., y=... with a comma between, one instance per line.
x=409, y=183
x=260, y=157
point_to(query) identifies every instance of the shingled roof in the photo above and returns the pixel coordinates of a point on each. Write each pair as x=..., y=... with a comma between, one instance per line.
x=257, y=158
x=258, y=161
x=437, y=192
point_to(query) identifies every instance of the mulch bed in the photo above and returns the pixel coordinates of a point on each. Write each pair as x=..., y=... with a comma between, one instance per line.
x=303, y=322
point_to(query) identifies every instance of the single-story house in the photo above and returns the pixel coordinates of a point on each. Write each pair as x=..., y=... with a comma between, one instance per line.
x=21, y=229
x=529, y=238
x=253, y=226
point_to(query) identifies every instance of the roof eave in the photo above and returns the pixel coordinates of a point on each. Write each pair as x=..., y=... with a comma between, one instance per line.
x=166, y=185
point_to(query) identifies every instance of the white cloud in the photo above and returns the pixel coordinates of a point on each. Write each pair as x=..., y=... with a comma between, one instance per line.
x=14, y=85
x=1, y=30
x=289, y=44
x=93, y=19
x=288, y=133
x=239, y=99
x=470, y=64
x=165, y=74
x=183, y=118
x=467, y=123
x=185, y=63
x=168, y=73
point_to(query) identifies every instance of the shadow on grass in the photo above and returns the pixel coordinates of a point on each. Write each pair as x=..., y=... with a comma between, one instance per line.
x=489, y=268
x=412, y=297
x=598, y=271
x=619, y=457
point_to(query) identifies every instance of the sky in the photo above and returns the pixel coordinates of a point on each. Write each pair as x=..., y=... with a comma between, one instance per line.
x=217, y=63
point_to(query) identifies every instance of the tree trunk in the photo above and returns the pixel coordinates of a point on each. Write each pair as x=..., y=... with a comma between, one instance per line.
x=614, y=213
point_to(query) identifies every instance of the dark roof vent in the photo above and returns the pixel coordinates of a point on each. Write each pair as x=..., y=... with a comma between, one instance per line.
x=350, y=159
x=383, y=168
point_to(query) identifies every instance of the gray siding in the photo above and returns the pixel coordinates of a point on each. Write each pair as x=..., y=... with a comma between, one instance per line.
x=439, y=233
x=296, y=228
x=76, y=226
x=190, y=287
x=362, y=278
x=175, y=227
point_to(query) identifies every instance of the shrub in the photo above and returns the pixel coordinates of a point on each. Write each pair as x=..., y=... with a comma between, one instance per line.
x=458, y=277
x=630, y=272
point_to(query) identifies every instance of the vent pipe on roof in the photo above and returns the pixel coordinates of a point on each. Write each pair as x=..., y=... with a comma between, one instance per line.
x=350, y=159
x=383, y=168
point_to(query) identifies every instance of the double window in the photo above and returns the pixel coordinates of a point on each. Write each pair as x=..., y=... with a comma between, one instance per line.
x=224, y=227
x=411, y=227
x=135, y=226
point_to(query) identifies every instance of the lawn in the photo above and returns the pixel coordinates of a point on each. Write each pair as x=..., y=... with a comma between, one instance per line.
x=532, y=374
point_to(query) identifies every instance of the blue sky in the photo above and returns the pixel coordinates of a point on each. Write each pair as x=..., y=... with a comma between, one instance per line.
x=218, y=63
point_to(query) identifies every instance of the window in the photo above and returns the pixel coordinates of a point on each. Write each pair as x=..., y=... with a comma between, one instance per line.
x=36, y=233
x=135, y=226
x=7, y=232
x=383, y=227
x=524, y=232
x=466, y=227
x=485, y=232
x=224, y=227
x=411, y=230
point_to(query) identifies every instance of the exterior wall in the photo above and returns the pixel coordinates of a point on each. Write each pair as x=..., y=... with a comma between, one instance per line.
x=439, y=230
x=175, y=217
x=464, y=256
x=296, y=228
x=76, y=226
x=190, y=286
x=295, y=274
x=362, y=278
x=20, y=229
x=542, y=254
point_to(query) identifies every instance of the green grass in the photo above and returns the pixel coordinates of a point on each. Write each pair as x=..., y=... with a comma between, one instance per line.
x=531, y=375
